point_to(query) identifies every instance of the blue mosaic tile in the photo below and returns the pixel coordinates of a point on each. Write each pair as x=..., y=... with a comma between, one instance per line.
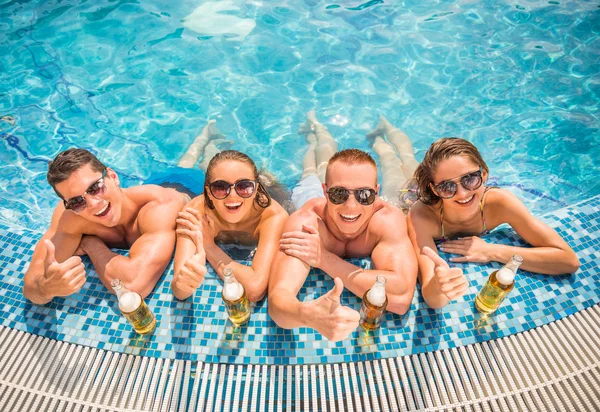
x=198, y=329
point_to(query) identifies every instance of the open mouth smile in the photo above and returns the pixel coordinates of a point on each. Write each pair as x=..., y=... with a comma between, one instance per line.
x=233, y=207
x=466, y=202
x=104, y=211
x=349, y=218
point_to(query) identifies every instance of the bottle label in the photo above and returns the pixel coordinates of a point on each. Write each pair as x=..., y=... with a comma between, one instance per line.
x=490, y=298
x=141, y=318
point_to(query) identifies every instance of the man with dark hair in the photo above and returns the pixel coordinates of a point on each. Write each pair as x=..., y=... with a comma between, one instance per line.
x=351, y=221
x=94, y=215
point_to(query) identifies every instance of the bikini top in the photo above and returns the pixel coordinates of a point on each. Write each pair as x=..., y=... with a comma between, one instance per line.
x=444, y=238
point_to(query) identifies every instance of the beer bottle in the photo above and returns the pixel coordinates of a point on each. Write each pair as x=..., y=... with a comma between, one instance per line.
x=498, y=285
x=133, y=307
x=373, y=305
x=235, y=299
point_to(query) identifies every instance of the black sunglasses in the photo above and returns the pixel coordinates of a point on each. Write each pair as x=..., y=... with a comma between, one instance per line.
x=339, y=195
x=78, y=204
x=448, y=188
x=220, y=189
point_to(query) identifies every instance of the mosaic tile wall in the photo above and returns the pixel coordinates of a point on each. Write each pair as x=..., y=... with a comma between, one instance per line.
x=198, y=329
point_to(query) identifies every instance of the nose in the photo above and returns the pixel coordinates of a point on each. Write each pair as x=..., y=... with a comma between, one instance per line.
x=92, y=201
x=352, y=202
x=461, y=191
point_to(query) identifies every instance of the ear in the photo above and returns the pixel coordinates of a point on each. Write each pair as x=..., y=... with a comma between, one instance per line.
x=484, y=176
x=433, y=190
x=378, y=188
x=324, y=186
x=113, y=175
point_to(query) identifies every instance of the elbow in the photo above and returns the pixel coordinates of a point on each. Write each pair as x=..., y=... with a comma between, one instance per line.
x=399, y=304
x=143, y=289
x=573, y=263
x=256, y=295
x=433, y=300
x=275, y=313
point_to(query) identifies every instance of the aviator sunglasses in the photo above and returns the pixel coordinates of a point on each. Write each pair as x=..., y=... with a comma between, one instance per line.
x=78, y=204
x=220, y=189
x=448, y=188
x=339, y=195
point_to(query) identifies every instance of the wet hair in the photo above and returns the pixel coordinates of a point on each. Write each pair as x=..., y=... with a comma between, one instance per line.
x=351, y=157
x=443, y=149
x=262, y=199
x=65, y=163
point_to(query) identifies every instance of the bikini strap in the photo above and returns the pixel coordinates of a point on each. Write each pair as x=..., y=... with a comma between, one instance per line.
x=442, y=221
x=481, y=204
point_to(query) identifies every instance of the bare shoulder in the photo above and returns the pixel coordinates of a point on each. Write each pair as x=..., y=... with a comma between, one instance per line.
x=500, y=197
x=158, y=206
x=500, y=206
x=309, y=214
x=196, y=203
x=423, y=217
x=275, y=212
x=387, y=218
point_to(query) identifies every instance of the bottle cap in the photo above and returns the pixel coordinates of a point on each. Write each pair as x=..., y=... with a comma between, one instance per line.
x=227, y=272
x=116, y=284
x=505, y=276
x=376, y=295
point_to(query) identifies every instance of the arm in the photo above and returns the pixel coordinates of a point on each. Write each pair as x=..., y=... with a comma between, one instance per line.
x=439, y=283
x=392, y=257
x=254, y=278
x=148, y=256
x=550, y=253
x=46, y=278
x=324, y=314
x=190, y=257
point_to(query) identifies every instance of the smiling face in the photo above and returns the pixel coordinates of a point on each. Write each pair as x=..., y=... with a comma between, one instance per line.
x=105, y=208
x=464, y=201
x=233, y=208
x=350, y=218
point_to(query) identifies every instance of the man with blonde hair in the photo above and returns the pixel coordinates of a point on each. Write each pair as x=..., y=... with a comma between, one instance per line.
x=350, y=222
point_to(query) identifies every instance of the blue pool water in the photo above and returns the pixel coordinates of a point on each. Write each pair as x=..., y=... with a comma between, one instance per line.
x=135, y=81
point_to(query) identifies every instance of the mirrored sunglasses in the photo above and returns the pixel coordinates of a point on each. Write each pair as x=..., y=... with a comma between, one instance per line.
x=339, y=195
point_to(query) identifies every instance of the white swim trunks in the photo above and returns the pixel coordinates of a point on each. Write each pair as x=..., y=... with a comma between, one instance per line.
x=308, y=188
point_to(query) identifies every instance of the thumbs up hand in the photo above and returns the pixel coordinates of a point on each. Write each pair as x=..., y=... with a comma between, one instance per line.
x=329, y=317
x=61, y=279
x=449, y=281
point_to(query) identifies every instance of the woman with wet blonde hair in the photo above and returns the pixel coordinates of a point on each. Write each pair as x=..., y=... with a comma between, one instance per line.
x=455, y=208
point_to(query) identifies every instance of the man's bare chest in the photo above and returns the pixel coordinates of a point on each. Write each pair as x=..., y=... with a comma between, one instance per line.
x=354, y=248
x=117, y=237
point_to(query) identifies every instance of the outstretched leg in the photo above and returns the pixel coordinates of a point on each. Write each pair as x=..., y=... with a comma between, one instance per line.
x=211, y=150
x=401, y=142
x=391, y=170
x=309, y=162
x=209, y=132
x=326, y=146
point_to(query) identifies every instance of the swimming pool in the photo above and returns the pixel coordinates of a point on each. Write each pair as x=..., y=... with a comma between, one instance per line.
x=136, y=82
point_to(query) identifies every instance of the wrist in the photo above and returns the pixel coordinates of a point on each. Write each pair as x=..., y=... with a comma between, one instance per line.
x=324, y=260
x=497, y=253
x=306, y=313
x=40, y=289
x=87, y=243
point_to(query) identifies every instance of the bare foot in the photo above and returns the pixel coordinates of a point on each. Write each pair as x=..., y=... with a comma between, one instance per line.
x=381, y=129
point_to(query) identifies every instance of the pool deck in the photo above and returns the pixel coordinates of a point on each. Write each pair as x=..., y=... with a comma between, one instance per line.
x=196, y=334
